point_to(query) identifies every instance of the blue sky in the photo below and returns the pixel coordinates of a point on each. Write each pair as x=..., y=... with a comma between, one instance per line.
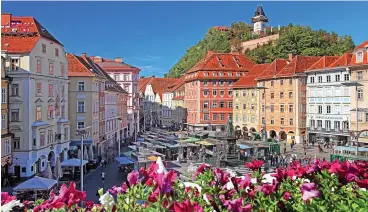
x=154, y=35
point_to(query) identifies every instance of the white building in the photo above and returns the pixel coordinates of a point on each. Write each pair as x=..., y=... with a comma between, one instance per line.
x=328, y=101
x=38, y=101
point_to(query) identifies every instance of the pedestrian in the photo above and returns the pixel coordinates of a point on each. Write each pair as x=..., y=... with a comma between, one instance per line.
x=284, y=150
x=103, y=176
x=105, y=163
x=102, y=162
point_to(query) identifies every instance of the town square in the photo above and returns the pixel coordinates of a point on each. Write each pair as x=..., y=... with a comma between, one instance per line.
x=184, y=106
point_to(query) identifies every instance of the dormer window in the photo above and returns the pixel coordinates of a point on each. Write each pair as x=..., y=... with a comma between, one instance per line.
x=230, y=74
x=221, y=74
x=14, y=64
x=215, y=74
x=238, y=74
x=359, y=57
x=206, y=74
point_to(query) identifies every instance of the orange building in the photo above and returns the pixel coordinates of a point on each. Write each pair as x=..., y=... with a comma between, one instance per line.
x=283, y=101
x=208, y=89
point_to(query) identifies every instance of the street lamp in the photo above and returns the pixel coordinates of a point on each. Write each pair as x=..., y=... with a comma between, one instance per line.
x=82, y=132
x=355, y=84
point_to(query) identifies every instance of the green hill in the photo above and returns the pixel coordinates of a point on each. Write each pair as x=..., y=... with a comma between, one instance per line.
x=299, y=40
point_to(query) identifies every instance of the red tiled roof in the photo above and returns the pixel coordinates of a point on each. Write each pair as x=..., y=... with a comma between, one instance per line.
x=274, y=68
x=298, y=65
x=77, y=67
x=343, y=60
x=160, y=84
x=20, y=34
x=324, y=62
x=233, y=61
x=175, y=85
x=143, y=82
x=249, y=79
x=361, y=46
x=112, y=65
x=353, y=61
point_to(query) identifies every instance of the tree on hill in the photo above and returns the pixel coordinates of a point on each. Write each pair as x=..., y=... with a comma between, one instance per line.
x=298, y=40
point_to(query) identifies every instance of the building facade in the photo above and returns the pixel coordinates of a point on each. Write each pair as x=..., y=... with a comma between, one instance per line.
x=6, y=138
x=38, y=101
x=209, y=92
x=328, y=116
x=246, y=102
x=127, y=77
x=179, y=111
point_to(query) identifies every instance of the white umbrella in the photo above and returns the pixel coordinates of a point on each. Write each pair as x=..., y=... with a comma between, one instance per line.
x=58, y=169
x=85, y=154
x=48, y=173
x=79, y=154
x=90, y=153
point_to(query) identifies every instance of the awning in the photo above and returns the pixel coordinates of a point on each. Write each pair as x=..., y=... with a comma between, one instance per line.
x=242, y=146
x=78, y=143
x=192, y=139
x=124, y=160
x=205, y=143
x=36, y=183
x=74, y=162
x=152, y=158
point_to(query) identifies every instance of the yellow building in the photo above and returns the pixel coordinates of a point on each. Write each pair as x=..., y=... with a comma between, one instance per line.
x=6, y=139
x=246, y=103
x=179, y=110
x=359, y=73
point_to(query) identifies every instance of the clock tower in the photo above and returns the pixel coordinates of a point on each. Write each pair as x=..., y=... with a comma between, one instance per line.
x=259, y=20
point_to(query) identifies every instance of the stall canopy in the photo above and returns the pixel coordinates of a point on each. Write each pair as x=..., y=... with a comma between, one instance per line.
x=124, y=160
x=242, y=146
x=152, y=158
x=192, y=140
x=74, y=162
x=205, y=143
x=36, y=183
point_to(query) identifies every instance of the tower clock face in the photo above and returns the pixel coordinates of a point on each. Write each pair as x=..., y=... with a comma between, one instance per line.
x=257, y=26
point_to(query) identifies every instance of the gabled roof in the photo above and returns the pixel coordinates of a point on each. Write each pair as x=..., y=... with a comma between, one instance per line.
x=361, y=46
x=323, y=63
x=20, y=34
x=78, y=67
x=274, y=68
x=109, y=65
x=249, y=79
x=297, y=65
x=143, y=82
x=175, y=85
x=160, y=84
x=233, y=61
x=343, y=60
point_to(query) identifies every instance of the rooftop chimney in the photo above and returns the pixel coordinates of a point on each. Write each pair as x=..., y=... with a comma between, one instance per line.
x=97, y=59
x=84, y=54
x=119, y=59
x=291, y=56
x=153, y=76
x=6, y=19
x=142, y=77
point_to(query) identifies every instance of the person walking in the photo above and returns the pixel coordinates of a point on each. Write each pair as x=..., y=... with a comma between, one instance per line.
x=103, y=177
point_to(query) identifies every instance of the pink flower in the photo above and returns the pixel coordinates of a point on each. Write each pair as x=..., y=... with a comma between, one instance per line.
x=362, y=183
x=89, y=204
x=237, y=205
x=5, y=198
x=164, y=181
x=268, y=189
x=247, y=208
x=222, y=177
x=309, y=191
x=133, y=178
x=201, y=169
x=286, y=195
x=119, y=190
x=187, y=206
x=254, y=165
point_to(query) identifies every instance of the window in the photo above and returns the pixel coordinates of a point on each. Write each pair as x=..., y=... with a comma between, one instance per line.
x=205, y=104
x=328, y=125
x=14, y=64
x=205, y=116
x=282, y=121
x=214, y=116
x=126, y=77
x=328, y=109
x=360, y=93
x=222, y=83
x=263, y=95
x=282, y=108
x=222, y=116
x=205, y=92
x=7, y=147
x=244, y=118
x=272, y=95
x=15, y=115
x=319, y=109
x=116, y=77
x=290, y=94
x=51, y=68
x=62, y=110
x=366, y=116
x=66, y=133
x=16, y=143
x=272, y=120
x=39, y=113
x=253, y=94
x=214, y=83
x=230, y=92
x=80, y=106
x=80, y=124
x=222, y=93
x=252, y=119
x=252, y=107
x=337, y=125
x=312, y=123
x=281, y=82
x=359, y=57
x=15, y=90
x=3, y=95
x=272, y=83
x=345, y=125
x=3, y=121
x=44, y=48
x=346, y=77
x=263, y=108
x=62, y=70
x=214, y=104
x=311, y=79
x=359, y=75
x=230, y=104
x=360, y=116
x=205, y=83
x=263, y=120
x=39, y=66
x=50, y=112
x=281, y=95
x=337, y=78
x=290, y=108
x=244, y=106
x=56, y=52
x=328, y=78
x=291, y=122
x=63, y=91
x=244, y=93
x=51, y=90
x=290, y=81
x=80, y=86
x=319, y=123
x=236, y=106
x=214, y=92
x=319, y=78
x=272, y=108
x=50, y=137
x=222, y=104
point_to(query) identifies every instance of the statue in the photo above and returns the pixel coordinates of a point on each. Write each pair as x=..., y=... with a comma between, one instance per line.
x=229, y=127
